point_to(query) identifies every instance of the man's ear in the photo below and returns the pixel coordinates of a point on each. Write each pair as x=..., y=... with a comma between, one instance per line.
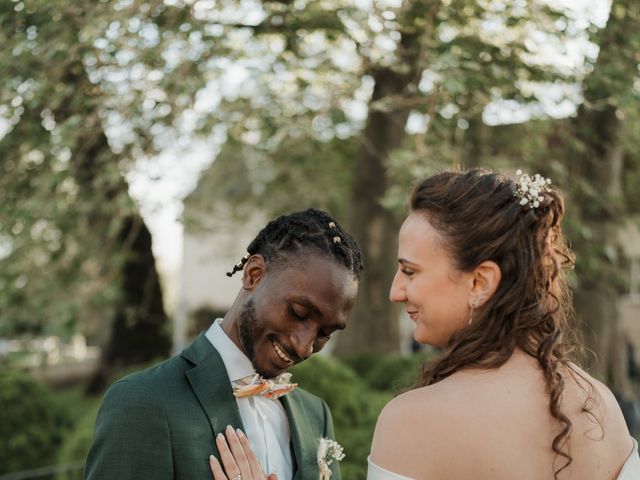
x=254, y=270
x=486, y=278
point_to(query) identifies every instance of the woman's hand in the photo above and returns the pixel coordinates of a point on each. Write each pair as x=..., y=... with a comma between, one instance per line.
x=238, y=459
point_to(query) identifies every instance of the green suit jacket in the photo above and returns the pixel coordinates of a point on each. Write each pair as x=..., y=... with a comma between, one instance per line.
x=161, y=423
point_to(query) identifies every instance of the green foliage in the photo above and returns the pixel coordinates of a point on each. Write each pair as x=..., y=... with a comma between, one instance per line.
x=32, y=423
x=292, y=114
x=387, y=373
x=324, y=377
x=76, y=70
x=77, y=443
x=353, y=405
x=293, y=132
x=230, y=190
x=631, y=147
x=61, y=180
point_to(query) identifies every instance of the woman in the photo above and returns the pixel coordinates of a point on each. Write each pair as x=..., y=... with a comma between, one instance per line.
x=481, y=264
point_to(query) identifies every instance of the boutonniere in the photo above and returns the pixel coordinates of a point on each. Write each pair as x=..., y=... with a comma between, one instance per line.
x=328, y=451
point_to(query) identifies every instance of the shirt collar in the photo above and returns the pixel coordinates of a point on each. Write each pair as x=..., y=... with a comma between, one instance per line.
x=235, y=361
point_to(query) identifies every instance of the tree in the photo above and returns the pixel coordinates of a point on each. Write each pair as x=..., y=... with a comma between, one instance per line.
x=70, y=213
x=317, y=69
x=374, y=226
x=593, y=157
x=599, y=163
x=341, y=108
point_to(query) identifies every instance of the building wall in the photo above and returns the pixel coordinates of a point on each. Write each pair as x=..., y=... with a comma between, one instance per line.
x=208, y=254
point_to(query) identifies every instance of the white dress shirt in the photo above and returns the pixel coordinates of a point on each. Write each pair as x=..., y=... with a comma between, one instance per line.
x=265, y=421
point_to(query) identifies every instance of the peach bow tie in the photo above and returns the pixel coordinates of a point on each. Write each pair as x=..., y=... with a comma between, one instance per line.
x=271, y=388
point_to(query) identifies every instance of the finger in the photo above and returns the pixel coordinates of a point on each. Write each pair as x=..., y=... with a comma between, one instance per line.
x=216, y=469
x=239, y=454
x=254, y=463
x=228, y=461
x=273, y=476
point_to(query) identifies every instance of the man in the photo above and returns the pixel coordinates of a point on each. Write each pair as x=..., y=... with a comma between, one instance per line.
x=299, y=283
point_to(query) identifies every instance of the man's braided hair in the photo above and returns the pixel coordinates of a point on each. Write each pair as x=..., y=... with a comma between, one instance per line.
x=302, y=231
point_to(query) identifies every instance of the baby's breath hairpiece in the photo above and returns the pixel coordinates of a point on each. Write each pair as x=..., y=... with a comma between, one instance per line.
x=530, y=189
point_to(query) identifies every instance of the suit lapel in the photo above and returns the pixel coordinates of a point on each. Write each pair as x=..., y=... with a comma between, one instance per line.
x=304, y=437
x=210, y=383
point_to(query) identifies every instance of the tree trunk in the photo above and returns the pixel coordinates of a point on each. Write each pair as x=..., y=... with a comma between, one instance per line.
x=599, y=161
x=139, y=328
x=374, y=323
x=138, y=331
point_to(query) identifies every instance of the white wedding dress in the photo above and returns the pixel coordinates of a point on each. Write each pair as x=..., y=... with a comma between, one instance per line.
x=374, y=472
x=630, y=469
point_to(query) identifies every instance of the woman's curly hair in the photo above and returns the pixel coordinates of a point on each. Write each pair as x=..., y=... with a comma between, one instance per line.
x=480, y=218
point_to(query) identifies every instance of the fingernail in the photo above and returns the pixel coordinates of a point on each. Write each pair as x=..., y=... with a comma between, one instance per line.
x=240, y=433
x=211, y=458
x=229, y=428
x=220, y=436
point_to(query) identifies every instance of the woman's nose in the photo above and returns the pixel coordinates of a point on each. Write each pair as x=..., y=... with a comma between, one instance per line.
x=397, y=292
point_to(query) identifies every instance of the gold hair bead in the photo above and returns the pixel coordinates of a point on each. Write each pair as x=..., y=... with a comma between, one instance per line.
x=337, y=240
x=332, y=225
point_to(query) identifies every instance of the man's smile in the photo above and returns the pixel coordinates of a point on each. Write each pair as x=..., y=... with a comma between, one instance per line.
x=280, y=352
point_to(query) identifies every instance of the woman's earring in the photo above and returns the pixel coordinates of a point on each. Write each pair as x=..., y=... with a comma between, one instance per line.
x=472, y=305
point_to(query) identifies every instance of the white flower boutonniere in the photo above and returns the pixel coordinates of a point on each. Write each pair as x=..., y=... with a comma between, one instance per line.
x=328, y=451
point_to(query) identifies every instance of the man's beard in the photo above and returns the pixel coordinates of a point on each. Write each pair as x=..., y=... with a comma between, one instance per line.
x=247, y=332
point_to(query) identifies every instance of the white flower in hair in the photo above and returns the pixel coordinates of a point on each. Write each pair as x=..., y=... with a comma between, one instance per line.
x=530, y=189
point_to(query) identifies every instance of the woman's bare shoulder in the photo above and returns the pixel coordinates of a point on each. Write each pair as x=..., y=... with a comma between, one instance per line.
x=431, y=402
x=409, y=435
x=411, y=406
x=434, y=411
x=419, y=428
x=591, y=394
